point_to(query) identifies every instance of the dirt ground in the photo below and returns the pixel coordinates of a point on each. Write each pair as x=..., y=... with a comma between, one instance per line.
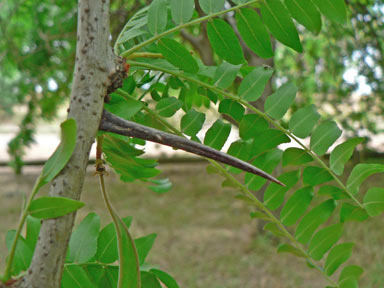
x=205, y=236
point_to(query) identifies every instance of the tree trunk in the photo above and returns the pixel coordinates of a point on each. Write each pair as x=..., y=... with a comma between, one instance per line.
x=94, y=67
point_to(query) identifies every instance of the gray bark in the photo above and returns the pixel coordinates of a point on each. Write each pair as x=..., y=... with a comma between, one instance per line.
x=95, y=63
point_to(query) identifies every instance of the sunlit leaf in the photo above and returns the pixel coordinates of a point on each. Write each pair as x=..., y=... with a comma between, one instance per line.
x=167, y=107
x=279, y=22
x=335, y=192
x=251, y=126
x=342, y=153
x=313, y=219
x=211, y=6
x=266, y=162
x=324, y=136
x=374, y=201
x=349, y=212
x=74, y=276
x=274, y=195
x=268, y=139
x=217, y=134
x=149, y=280
x=305, y=13
x=33, y=229
x=253, y=85
x=296, y=156
x=323, y=240
x=337, y=256
x=361, y=172
x=303, y=121
x=83, y=242
x=334, y=10
x=123, y=107
x=296, y=206
x=144, y=245
x=274, y=229
x=313, y=176
x=176, y=54
x=277, y=104
x=287, y=248
x=62, y=153
x=192, y=122
x=224, y=41
x=350, y=272
x=23, y=253
x=232, y=108
x=254, y=33
x=53, y=207
x=182, y=10
x=225, y=75
x=165, y=278
x=157, y=16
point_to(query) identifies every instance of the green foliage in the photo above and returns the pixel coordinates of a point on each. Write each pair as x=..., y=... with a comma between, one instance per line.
x=53, y=207
x=224, y=41
x=175, y=79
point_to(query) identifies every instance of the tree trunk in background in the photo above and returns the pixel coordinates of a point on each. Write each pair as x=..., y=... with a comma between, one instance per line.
x=95, y=63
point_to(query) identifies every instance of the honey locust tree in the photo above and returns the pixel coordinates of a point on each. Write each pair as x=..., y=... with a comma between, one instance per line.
x=126, y=95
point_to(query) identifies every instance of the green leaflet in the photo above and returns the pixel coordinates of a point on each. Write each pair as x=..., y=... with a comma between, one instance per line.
x=296, y=156
x=211, y=6
x=267, y=140
x=149, y=280
x=23, y=253
x=74, y=276
x=313, y=176
x=296, y=206
x=144, y=245
x=251, y=126
x=260, y=215
x=162, y=185
x=337, y=256
x=324, y=136
x=350, y=272
x=62, y=154
x=287, y=248
x=225, y=75
x=342, y=153
x=104, y=276
x=313, y=219
x=334, y=10
x=182, y=10
x=53, y=207
x=335, y=192
x=167, y=107
x=323, y=240
x=374, y=201
x=83, y=242
x=241, y=150
x=253, y=85
x=165, y=278
x=274, y=195
x=274, y=229
x=157, y=16
x=361, y=172
x=278, y=20
x=266, y=162
x=217, y=134
x=303, y=121
x=125, y=108
x=107, y=243
x=232, y=108
x=33, y=229
x=121, y=155
x=192, y=122
x=176, y=54
x=253, y=32
x=305, y=13
x=349, y=212
x=277, y=104
x=224, y=41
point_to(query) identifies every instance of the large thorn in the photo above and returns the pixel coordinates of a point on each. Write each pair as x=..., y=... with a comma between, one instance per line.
x=112, y=123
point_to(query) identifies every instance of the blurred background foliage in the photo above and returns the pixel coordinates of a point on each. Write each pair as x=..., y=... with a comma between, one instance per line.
x=341, y=70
